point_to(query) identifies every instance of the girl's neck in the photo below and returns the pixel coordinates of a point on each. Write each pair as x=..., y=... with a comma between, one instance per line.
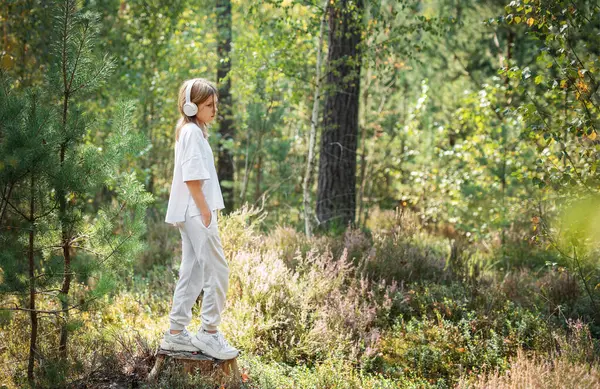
x=203, y=127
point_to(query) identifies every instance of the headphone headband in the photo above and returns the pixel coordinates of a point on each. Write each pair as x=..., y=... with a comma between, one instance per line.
x=188, y=91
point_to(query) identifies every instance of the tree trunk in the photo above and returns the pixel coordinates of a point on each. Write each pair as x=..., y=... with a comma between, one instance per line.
x=4, y=201
x=32, y=313
x=66, y=285
x=246, y=168
x=363, y=155
x=313, y=129
x=258, y=166
x=60, y=193
x=336, y=201
x=225, y=160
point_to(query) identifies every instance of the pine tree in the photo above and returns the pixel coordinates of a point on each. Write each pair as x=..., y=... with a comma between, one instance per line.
x=49, y=173
x=26, y=135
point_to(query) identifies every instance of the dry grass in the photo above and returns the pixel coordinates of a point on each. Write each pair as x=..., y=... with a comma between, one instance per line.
x=538, y=373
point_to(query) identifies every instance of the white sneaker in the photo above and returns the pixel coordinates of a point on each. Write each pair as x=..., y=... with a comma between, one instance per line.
x=178, y=342
x=214, y=345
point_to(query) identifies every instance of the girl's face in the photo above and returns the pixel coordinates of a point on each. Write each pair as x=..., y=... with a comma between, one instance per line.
x=207, y=110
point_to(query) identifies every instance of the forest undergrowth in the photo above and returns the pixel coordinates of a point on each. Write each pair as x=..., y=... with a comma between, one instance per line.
x=388, y=306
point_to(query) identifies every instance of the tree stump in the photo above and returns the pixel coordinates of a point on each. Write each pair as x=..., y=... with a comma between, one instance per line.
x=225, y=372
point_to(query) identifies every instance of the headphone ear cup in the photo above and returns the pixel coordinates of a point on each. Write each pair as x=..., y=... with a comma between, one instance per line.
x=190, y=109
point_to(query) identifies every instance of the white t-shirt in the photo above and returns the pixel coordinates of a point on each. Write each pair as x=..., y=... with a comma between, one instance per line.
x=193, y=161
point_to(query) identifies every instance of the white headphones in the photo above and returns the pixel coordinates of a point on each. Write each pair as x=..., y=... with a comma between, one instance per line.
x=189, y=108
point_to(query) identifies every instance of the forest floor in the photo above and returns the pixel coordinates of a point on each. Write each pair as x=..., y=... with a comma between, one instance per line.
x=390, y=306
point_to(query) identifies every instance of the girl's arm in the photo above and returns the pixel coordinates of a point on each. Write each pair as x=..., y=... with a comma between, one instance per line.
x=195, y=188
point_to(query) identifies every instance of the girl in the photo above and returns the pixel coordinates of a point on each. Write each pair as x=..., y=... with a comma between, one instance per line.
x=193, y=203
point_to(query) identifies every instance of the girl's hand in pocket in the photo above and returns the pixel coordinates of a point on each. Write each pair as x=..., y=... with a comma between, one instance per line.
x=207, y=219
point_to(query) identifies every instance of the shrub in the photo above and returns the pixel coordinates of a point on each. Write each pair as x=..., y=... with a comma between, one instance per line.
x=399, y=258
x=163, y=245
x=577, y=345
x=288, y=242
x=434, y=347
x=401, y=220
x=240, y=229
x=331, y=373
x=559, y=288
x=520, y=287
x=319, y=310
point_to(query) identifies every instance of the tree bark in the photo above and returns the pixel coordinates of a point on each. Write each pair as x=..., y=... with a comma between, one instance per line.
x=32, y=313
x=66, y=284
x=224, y=373
x=336, y=201
x=225, y=168
x=60, y=193
x=363, y=155
x=257, y=191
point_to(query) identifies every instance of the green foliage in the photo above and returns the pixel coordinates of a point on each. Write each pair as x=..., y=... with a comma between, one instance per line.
x=333, y=373
x=559, y=103
x=437, y=347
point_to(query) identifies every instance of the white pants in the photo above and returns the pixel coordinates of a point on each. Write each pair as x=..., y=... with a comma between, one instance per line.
x=203, y=267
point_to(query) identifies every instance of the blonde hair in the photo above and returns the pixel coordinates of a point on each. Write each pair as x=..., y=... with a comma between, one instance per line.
x=202, y=89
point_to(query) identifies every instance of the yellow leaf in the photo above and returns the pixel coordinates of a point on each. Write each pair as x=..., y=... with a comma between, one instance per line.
x=517, y=19
x=530, y=22
x=582, y=86
x=593, y=135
